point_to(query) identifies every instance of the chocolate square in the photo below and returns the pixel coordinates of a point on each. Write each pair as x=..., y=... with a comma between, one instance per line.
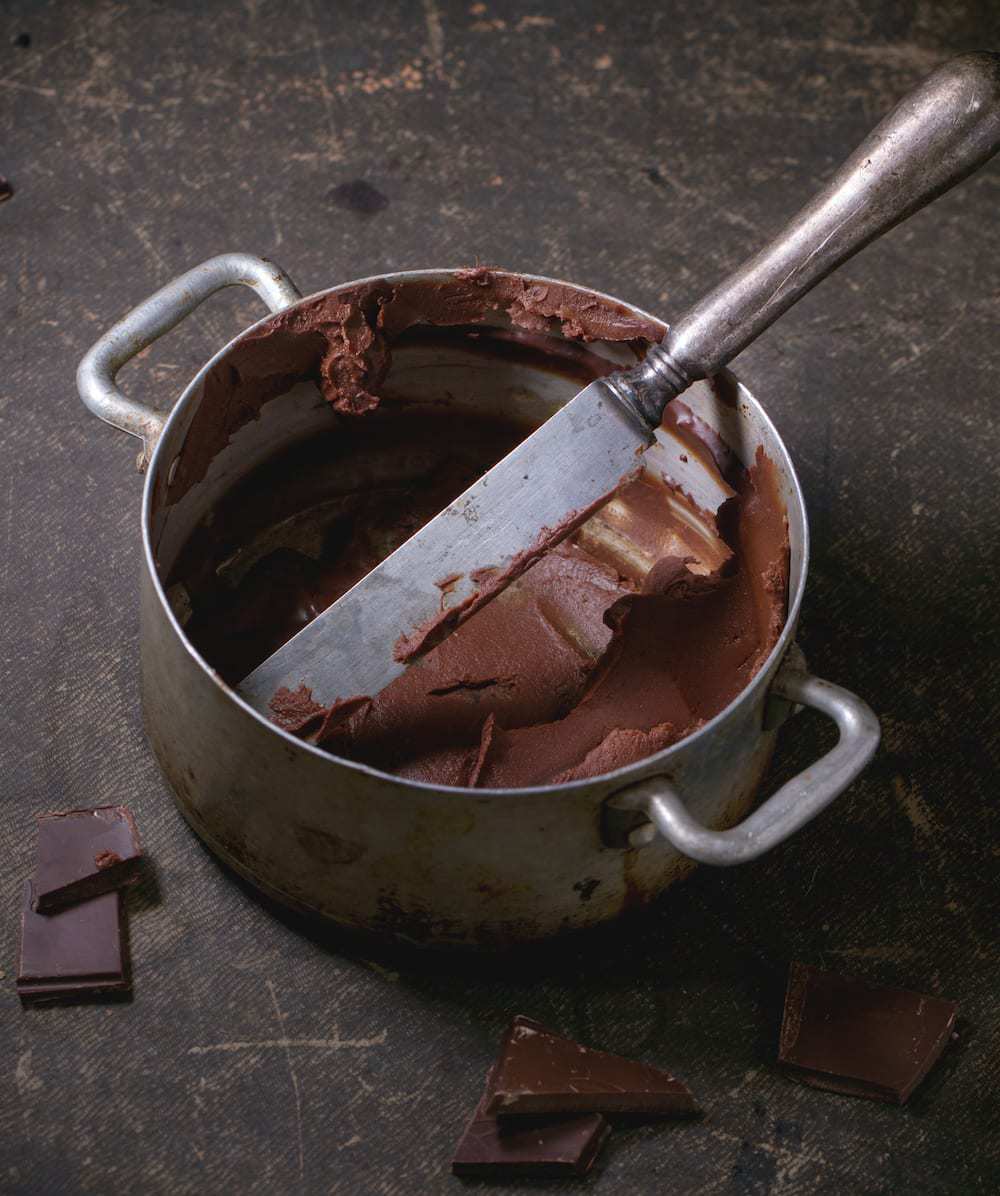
x=73, y=954
x=540, y=1072
x=859, y=1039
x=83, y=853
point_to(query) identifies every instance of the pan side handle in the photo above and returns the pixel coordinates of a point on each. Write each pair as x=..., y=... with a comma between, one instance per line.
x=797, y=802
x=95, y=376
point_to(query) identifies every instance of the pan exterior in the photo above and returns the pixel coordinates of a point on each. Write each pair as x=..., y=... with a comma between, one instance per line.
x=377, y=853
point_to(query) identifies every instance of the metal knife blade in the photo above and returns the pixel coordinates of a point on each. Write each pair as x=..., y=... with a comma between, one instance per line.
x=576, y=459
x=947, y=127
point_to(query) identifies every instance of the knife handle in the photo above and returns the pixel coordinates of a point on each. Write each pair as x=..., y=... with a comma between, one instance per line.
x=937, y=135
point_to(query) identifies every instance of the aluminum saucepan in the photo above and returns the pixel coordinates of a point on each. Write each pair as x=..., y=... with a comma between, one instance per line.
x=422, y=863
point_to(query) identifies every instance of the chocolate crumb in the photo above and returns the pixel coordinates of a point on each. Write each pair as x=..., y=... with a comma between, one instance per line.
x=6, y=188
x=107, y=859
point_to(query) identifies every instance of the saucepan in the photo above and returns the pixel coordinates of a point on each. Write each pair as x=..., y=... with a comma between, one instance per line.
x=422, y=863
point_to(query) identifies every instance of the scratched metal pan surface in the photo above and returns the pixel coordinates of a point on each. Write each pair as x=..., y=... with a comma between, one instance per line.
x=430, y=864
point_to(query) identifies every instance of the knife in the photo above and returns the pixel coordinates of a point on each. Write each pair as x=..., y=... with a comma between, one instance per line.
x=937, y=135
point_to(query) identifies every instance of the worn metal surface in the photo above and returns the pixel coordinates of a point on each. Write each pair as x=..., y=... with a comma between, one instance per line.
x=260, y=1053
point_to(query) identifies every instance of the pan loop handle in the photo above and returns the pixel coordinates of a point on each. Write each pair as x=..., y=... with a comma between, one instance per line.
x=656, y=804
x=95, y=377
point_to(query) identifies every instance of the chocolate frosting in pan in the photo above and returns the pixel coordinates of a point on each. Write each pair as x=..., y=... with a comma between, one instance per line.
x=581, y=669
x=626, y=637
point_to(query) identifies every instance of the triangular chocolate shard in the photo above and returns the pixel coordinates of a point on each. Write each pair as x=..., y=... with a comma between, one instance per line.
x=540, y=1072
x=860, y=1039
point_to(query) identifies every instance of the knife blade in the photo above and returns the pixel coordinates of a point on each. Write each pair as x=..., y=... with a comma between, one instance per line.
x=465, y=556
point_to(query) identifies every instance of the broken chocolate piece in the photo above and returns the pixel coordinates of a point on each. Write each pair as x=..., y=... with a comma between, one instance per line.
x=859, y=1039
x=73, y=954
x=545, y=1147
x=541, y=1147
x=540, y=1072
x=83, y=853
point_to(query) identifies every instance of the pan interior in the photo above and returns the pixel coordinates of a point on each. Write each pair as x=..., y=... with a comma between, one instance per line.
x=298, y=487
x=340, y=494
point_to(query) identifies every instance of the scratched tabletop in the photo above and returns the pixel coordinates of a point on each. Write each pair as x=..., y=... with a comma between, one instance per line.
x=642, y=149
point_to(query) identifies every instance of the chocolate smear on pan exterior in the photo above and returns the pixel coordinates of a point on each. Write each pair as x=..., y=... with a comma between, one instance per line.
x=539, y=1072
x=640, y=626
x=83, y=853
x=860, y=1039
x=73, y=954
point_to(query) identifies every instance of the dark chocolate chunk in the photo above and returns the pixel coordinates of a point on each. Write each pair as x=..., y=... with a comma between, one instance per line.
x=73, y=954
x=859, y=1039
x=540, y=1072
x=547, y=1147
x=6, y=189
x=82, y=853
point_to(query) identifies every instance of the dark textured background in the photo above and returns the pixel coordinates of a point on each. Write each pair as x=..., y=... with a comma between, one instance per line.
x=640, y=149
